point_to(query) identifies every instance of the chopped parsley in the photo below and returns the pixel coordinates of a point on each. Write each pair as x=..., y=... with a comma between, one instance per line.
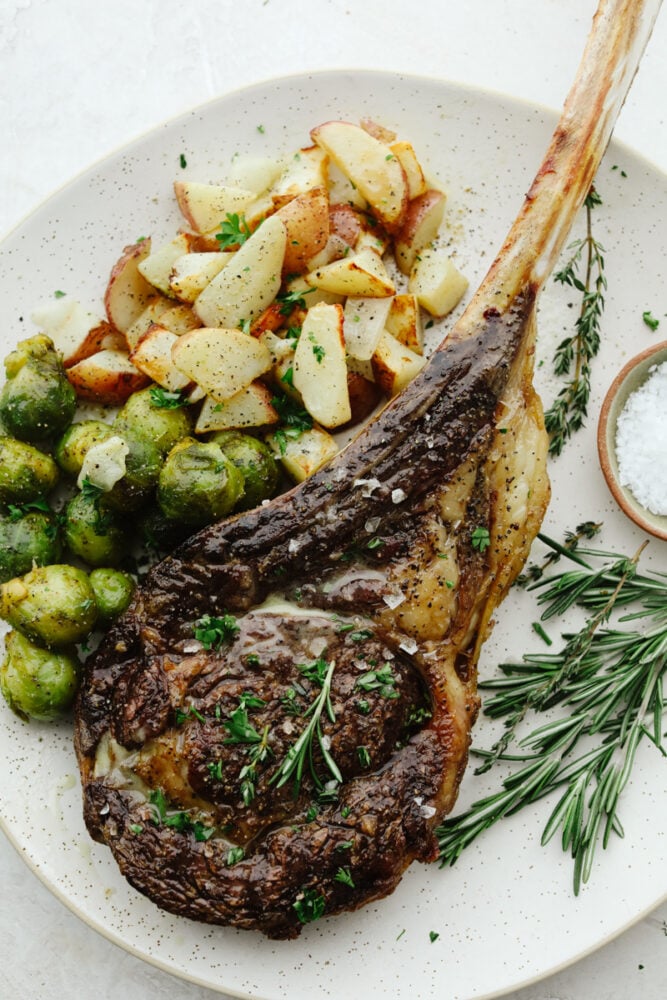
x=381, y=680
x=183, y=162
x=235, y=855
x=309, y=905
x=163, y=399
x=212, y=632
x=343, y=875
x=650, y=320
x=364, y=756
x=290, y=300
x=180, y=821
x=234, y=231
x=480, y=538
x=433, y=936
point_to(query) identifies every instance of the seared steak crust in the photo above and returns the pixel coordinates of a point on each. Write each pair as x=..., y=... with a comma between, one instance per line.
x=374, y=562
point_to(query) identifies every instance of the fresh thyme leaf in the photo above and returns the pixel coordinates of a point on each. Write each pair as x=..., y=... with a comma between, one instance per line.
x=609, y=679
x=574, y=354
x=212, y=632
x=234, y=231
x=235, y=855
x=163, y=399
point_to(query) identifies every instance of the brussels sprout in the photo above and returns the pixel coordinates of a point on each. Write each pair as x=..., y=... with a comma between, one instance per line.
x=27, y=538
x=26, y=473
x=71, y=449
x=113, y=592
x=54, y=605
x=37, y=401
x=159, y=533
x=37, y=683
x=93, y=532
x=164, y=427
x=142, y=468
x=198, y=484
x=255, y=461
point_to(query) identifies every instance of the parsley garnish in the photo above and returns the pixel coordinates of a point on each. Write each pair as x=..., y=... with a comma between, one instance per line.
x=480, y=538
x=381, y=680
x=180, y=821
x=364, y=756
x=309, y=906
x=235, y=855
x=343, y=875
x=289, y=300
x=294, y=418
x=16, y=512
x=183, y=162
x=234, y=231
x=212, y=632
x=163, y=399
x=650, y=320
x=318, y=350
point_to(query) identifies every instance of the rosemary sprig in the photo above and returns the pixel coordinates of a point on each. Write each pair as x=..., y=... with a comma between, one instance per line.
x=301, y=752
x=574, y=354
x=535, y=571
x=609, y=682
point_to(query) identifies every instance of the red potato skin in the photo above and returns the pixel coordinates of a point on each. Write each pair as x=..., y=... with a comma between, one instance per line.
x=306, y=220
x=364, y=397
x=101, y=337
x=124, y=273
x=419, y=212
x=112, y=390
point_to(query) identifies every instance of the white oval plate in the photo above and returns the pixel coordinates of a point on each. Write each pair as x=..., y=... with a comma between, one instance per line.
x=505, y=914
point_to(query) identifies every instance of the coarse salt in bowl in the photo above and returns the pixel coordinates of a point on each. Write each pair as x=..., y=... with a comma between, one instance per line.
x=632, y=439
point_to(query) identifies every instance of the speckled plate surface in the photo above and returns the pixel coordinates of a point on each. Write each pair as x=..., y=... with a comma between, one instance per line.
x=505, y=914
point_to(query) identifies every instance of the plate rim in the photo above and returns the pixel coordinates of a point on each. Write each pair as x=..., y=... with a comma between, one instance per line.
x=127, y=147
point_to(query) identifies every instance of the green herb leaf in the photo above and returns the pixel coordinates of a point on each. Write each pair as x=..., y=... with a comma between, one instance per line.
x=480, y=539
x=343, y=875
x=234, y=231
x=309, y=905
x=163, y=399
x=212, y=632
x=650, y=320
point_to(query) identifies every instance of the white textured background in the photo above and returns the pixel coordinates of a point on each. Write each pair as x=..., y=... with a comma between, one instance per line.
x=78, y=78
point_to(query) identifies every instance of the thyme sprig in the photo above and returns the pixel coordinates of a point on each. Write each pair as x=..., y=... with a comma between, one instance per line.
x=301, y=753
x=608, y=683
x=574, y=354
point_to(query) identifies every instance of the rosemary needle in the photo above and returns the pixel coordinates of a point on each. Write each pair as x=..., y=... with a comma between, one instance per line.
x=608, y=682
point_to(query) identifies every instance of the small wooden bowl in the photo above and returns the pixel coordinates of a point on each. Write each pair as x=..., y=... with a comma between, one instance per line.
x=627, y=381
